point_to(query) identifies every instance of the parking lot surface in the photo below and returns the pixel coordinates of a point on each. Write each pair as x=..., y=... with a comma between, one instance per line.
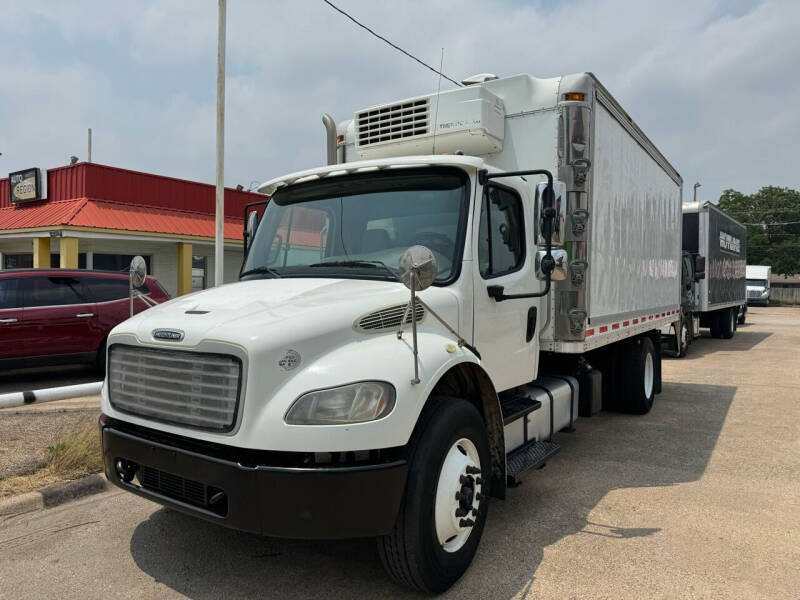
x=698, y=499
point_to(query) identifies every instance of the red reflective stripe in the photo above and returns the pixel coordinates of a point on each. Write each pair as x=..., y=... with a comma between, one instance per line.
x=589, y=332
x=615, y=326
x=635, y=321
x=626, y=323
x=604, y=328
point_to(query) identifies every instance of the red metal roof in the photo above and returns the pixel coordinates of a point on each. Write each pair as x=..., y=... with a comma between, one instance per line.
x=101, y=214
x=91, y=180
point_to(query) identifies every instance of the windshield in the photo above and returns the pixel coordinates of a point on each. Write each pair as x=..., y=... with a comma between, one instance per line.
x=757, y=282
x=359, y=226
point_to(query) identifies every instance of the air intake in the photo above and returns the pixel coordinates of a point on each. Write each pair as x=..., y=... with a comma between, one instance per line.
x=392, y=122
x=387, y=319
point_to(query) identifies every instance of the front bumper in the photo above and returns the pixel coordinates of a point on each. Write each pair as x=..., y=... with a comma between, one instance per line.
x=307, y=502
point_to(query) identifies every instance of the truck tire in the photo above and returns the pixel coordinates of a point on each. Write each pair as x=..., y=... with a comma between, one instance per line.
x=682, y=339
x=716, y=323
x=727, y=318
x=743, y=316
x=639, y=377
x=445, y=504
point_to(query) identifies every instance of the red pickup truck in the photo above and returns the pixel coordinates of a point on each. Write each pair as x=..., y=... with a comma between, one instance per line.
x=62, y=316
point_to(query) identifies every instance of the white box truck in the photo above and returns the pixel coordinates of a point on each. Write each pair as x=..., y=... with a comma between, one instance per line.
x=712, y=274
x=758, y=284
x=539, y=231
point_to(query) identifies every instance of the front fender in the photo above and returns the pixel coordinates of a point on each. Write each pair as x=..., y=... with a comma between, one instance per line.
x=383, y=358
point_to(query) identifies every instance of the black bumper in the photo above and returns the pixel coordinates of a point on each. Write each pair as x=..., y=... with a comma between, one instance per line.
x=292, y=502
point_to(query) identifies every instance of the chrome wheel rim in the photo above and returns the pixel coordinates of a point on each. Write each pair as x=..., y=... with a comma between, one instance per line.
x=458, y=495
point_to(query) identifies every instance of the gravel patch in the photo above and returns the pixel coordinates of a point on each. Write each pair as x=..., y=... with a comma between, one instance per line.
x=24, y=438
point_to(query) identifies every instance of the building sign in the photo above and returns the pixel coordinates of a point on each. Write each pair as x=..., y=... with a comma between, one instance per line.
x=25, y=186
x=730, y=243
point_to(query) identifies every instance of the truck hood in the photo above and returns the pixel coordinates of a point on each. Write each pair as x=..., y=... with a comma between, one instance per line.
x=277, y=312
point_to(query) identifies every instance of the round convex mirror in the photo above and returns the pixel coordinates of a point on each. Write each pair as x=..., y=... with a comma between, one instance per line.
x=138, y=271
x=420, y=263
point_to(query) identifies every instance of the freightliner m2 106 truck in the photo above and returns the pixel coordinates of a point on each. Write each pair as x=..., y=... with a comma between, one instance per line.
x=713, y=292
x=758, y=284
x=415, y=325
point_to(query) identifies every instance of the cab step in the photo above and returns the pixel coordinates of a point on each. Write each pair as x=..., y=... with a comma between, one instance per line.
x=517, y=407
x=529, y=456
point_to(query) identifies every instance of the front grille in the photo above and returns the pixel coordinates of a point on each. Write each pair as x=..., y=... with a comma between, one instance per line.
x=753, y=294
x=200, y=390
x=388, y=318
x=392, y=122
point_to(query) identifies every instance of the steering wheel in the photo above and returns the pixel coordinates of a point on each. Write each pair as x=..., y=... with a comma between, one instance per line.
x=435, y=241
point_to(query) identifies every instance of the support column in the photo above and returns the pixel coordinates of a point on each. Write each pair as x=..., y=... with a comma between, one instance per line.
x=69, y=253
x=41, y=253
x=184, y=268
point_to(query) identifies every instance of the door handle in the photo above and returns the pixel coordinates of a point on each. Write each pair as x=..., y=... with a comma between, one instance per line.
x=84, y=315
x=8, y=320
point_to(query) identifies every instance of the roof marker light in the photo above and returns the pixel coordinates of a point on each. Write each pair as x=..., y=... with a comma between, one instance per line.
x=574, y=96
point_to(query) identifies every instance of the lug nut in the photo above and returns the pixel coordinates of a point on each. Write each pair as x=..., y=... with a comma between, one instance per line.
x=474, y=512
x=461, y=512
x=463, y=480
x=466, y=523
x=472, y=470
x=458, y=496
x=479, y=480
x=479, y=496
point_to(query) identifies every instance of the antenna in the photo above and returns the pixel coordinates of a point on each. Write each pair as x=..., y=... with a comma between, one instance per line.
x=90, y=144
x=438, y=91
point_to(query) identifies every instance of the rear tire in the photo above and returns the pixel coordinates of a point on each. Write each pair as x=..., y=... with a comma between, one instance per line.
x=428, y=548
x=639, y=378
x=743, y=316
x=682, y=339
x=727, y=318
x=716, y=324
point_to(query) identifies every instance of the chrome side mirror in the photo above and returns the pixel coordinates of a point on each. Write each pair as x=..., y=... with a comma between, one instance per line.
x=559, y=272
x=560, y=206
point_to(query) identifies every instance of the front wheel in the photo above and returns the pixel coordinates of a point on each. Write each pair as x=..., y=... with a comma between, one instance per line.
x=444, y=508
x=682, y=339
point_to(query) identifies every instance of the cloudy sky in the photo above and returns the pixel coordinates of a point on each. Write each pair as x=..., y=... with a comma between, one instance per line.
x=714, y=83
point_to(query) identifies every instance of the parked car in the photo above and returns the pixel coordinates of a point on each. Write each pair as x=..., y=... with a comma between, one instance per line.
x=61, y=316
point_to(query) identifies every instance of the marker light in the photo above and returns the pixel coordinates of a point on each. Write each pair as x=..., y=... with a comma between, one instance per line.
x=574, y=96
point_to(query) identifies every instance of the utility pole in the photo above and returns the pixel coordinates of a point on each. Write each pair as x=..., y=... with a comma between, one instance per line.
x=696, y=185
x=219, y=231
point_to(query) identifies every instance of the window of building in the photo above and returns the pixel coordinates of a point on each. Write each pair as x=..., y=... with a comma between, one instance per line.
x=116, y=262
x=198, y=273
x=501, y=247
x=24, y=260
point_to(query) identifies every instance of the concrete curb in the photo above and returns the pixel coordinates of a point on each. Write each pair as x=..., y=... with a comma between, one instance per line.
x=53, y=496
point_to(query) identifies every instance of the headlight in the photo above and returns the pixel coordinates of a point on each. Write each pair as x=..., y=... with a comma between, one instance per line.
x=353, y=403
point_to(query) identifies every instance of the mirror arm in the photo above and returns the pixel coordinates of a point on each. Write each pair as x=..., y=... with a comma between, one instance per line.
x=548, y=213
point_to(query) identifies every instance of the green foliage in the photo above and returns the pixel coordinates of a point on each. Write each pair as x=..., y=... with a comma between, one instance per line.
x=772, y=216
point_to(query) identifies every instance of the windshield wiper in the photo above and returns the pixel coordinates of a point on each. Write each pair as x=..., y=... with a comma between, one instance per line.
x=262, y=271
x=372, y=264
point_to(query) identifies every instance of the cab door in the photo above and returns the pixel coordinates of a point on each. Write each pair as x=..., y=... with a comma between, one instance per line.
x=505, y=331
x=11, y=329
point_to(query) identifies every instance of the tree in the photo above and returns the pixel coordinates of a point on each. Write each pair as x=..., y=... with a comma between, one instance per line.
x=772, y=216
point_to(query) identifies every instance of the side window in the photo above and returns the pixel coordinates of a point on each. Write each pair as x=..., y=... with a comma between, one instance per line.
x=107, y=289
x=53, y=291
x=501, y=243
x=8, y=294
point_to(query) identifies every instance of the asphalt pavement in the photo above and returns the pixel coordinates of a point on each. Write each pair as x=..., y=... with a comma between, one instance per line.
x=698, y=499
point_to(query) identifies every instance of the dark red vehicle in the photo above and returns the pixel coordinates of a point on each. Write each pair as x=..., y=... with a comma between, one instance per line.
x=61, y=316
